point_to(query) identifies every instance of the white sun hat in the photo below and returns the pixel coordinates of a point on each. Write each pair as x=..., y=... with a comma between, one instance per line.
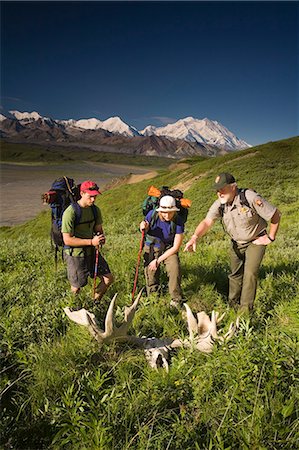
x=167, y=204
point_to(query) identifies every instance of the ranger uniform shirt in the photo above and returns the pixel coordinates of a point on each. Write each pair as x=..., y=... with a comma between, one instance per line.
x=244, y=224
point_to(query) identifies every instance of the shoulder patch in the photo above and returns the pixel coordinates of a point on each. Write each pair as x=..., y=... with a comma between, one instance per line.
x=259, y=202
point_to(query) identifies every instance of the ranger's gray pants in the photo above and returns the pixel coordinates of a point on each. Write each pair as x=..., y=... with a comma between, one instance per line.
x=245, y=260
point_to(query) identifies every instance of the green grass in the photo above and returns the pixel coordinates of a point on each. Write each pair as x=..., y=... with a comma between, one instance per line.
x=60, y=392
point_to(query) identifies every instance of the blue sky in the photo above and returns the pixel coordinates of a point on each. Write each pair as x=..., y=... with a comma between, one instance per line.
x=155, y=62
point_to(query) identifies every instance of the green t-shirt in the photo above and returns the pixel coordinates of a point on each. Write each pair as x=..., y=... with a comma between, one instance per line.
x=83, y=230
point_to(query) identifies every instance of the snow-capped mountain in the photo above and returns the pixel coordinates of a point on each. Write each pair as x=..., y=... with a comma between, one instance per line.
x=113, y=124
x=148, y=131
x=203, y=131
x=26, y=118
x=186, y=137
x=116, y=125
x=86, y=124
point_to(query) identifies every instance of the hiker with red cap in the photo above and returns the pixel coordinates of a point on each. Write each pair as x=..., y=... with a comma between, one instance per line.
x=245, y=216
x=82, y=238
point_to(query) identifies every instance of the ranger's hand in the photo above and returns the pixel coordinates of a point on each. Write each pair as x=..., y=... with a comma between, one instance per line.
x=262, y=240
x=191, y=245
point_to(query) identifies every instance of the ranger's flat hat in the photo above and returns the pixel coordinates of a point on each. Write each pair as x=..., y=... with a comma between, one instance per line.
x=223, y=179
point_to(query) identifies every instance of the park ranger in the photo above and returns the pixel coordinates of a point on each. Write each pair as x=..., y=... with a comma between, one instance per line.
x=244, y=214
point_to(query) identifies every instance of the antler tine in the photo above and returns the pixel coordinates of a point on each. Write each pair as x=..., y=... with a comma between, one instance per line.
x=130, y=310
x=213, y=329
x=93, y=328
x=203, y=324
x=109, y=318
x=87, y=319
x=81, y=317
x=232, y=330
x=191, y=321
x=129, y=315
x=138, y=296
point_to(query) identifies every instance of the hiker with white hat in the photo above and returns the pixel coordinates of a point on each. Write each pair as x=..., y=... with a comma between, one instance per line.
x=164, y=233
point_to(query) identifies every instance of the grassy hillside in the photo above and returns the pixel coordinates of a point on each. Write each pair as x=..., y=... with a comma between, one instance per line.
x=58, y=391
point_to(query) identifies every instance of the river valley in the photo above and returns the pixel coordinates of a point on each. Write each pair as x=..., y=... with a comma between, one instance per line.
x=23, y=184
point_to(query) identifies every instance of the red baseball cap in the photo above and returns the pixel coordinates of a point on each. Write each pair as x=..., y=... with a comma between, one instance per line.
x=90, y=187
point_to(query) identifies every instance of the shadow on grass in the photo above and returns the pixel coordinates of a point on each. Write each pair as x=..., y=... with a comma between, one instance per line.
x=218, y=277
x=280, y=269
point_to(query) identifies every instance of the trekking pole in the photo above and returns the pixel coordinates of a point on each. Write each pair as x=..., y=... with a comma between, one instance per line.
x=96, y=266
x=138, y=263
x=96, y=271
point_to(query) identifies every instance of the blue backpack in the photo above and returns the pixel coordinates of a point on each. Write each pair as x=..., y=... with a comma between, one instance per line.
x=63, y=192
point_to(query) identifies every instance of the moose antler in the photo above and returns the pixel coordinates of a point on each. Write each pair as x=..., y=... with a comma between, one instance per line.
x=202, y=332
x=156, y=350
x=111, y=333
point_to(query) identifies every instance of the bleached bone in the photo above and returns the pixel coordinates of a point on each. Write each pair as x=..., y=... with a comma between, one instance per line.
x=156, y=350
x=111, y=333
x=157, y=353
x=202, y=332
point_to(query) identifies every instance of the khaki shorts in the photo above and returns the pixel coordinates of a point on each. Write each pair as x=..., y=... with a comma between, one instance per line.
x=79, y=268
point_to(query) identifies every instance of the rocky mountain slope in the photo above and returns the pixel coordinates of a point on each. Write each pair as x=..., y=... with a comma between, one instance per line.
x=187, y=137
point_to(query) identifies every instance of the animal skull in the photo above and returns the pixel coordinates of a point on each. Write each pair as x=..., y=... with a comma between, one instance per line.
x=202, y=332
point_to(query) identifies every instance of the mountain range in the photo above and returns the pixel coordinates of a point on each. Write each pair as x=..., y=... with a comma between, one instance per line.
x=186, y=137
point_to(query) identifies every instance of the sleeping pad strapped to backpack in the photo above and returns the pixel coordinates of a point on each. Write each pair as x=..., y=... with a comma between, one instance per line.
x=154, y=196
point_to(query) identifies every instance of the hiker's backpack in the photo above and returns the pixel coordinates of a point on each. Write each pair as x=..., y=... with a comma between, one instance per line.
x=62, y=193
x=243, y=201
x=152, y=202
